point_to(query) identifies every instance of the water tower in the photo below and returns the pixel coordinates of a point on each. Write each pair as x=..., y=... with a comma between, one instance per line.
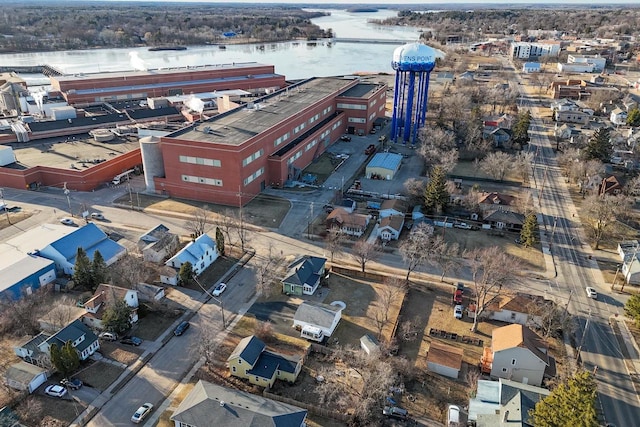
x=413, y=63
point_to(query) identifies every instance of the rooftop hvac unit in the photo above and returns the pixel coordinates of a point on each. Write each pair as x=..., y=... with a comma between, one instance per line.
x=206, y=129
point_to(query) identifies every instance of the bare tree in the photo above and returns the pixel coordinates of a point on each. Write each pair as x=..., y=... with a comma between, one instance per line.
x=438, y=148
x=208, y=345
x=364, y=251
x=491, y=269
x=413, y=250
x=392, y=289
x=268, y=271
x=472, y=377
x=445, y=256
x=601, y=213
x=30, y=411
x=62, y=313
x=333, y=242
x=264, y=331
x=21, y=317
x=129, y=271
x=414, y=188
x=241, y=230
x=549, y=318
x=226, y=223
x=199, y=222
x=497, y=165
x=522, y=163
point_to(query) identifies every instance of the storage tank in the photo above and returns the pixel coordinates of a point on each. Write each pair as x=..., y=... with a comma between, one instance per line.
x=152, y=161
x=102, y=135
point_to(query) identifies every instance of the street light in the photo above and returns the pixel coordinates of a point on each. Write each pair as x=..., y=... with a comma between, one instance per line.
x=66, y=193
x=219, y=301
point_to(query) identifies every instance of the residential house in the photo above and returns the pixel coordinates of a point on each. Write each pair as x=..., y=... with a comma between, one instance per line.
x=304, y=275
x=82, y=338
x=348, y=205
x=618, y=116
x=629, y=252
x=566, y=131
x=25, y=377
x=520, y=309
x=390, y=227
x=630, y=102
x=352, y=224
x=210, y=404
x=315, y=314
x=563, y=105
x=518, y=354
x=610, y=185
x=504, y=121
x=574, y=116
x=104, y=296
x=444, y=359
x=491, y=202
x=498, y=136
x=147, y=292
x=158, y=243
x=504, y=403
x=252, y=361
x=393, y=207
x=505, y=220
x=201, y=253
x=168, y=275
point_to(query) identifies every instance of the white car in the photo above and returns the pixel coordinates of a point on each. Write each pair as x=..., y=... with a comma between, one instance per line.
x=97, y=216
x=453, y=415
x=108, y=336
x=67, y=221
x=219, y=289
x=55, y=390
x=142, y=413
x=591, y=293
x=457, y=311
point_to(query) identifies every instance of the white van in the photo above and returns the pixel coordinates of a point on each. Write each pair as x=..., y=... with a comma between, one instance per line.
x=312, y=333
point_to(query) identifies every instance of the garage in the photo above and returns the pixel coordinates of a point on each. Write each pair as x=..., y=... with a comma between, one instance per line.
x=25, y=376
x=383, y=166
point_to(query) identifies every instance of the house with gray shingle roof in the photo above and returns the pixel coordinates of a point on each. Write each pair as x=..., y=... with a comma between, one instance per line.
x=304, y=275
x=505, y=220
x=201, y=253
x=252, y=361
x=318, y=315
x=213, y=405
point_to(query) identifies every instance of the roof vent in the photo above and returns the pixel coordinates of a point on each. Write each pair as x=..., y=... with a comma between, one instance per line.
x=222, y=403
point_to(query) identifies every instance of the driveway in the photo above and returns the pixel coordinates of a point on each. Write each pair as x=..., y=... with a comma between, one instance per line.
x=279, y=313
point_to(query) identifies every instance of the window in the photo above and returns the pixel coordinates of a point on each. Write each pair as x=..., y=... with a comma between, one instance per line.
x=294, y=157
x=257, y=379
x=513, y=361
x=357, y=120
x=233, y=368
x=253, y=176
x=200, y=161
x=202, y=180
x=352, y=106
x=252, y=157
x=504, y=369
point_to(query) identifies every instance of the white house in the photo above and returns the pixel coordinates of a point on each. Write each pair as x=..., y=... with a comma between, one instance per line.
x=390, y=227
x=629, y=252
x=504, y=402
x=25, y=376
x=318, y=315
x=105, y=295
x=618, y=116
x=36, y=350
x=201, y=253
x=393, y=207
x=517, y=309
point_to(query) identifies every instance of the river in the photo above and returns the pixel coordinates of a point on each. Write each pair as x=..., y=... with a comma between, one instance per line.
x=295, y=60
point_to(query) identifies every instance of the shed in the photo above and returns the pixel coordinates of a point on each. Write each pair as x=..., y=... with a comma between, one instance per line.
x=25, y=376
x=369, y=344
x=169, y=276
x=444, y=359
x=383, y=166
x=147, y=292
x=323, y=316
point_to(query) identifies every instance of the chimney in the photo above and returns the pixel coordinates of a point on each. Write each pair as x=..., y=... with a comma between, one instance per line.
x=222, y=403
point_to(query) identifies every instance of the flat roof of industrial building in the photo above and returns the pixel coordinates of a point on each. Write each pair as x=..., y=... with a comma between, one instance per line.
x=16, y=265
x=157, y=71
x=360, y=90
x=238, y=125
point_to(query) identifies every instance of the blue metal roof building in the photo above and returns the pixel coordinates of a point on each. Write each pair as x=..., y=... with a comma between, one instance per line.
x=383, y=166
x=23, y=273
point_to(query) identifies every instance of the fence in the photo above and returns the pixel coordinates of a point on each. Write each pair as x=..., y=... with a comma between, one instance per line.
x=313, y=409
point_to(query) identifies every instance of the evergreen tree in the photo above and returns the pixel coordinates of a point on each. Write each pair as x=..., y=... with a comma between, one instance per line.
x=65, y=359
x=633, y=118
x=599, y=146
x=117, y=317
x=528, y=235
x=82, y=274
x=520, y=131
x=185, y=275
x=632, y=308
x=436, y=196
x=99, y=269
x=219, y=241
x=572, y=403
x=56, y=356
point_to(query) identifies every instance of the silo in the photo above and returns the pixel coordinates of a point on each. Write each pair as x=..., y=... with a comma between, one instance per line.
x=413, y=63
x=152, y=161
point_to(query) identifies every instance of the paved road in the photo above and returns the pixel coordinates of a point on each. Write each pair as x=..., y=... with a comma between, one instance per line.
x=576, y=270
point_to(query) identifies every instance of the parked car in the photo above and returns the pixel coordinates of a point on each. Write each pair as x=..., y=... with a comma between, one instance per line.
x=453, y=416
x=457, y=311
x=395, y=412
x=219, y=289
x=108, y=336
x=131, y=341
x=67, y=221
x=55, y=390
x=462, y=225
x=457, y=297
x=97, y=216
x=345, y=138
x=591, y=293
x=142, y=413
x=181, y=328
x=370, y=149
x=372, y=131
x=72, y=383
x=328, y=208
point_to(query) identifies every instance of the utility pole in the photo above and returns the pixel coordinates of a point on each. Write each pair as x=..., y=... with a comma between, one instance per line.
x=66, y=193
x=544, y=180
x=309, y=223
x=130, y=195
x=219, y=301
x=584, y=334
x=5, y=207
x=241, y=231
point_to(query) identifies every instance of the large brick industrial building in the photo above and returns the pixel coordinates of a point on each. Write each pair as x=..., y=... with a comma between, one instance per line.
x=125, y=85
x=230, y=158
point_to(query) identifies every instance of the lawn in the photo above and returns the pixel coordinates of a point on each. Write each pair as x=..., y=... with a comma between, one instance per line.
x=59, y=412
x=469, y=170
x=126, y=354
x=322, y=167
x=262, y=211
x=100, y=375
x=13, y=217
x=215, y=271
